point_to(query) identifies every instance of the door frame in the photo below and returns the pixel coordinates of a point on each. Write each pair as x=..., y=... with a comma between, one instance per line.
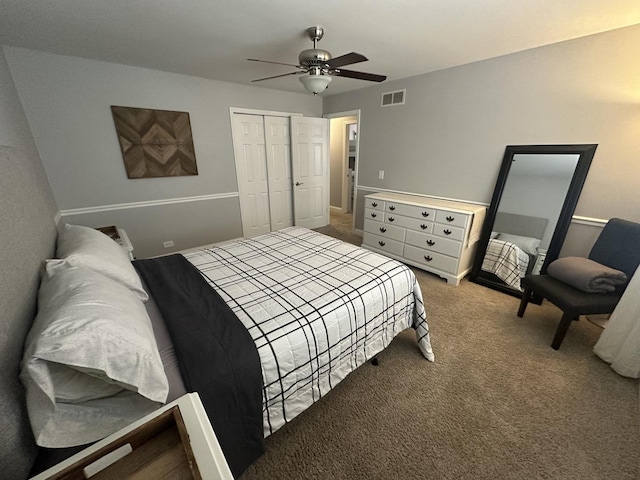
x=346, y=178
x=351, y=113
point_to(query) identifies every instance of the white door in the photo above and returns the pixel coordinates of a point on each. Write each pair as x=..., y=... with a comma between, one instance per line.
x=278, y=144
x=251, y=169
x=310, y=167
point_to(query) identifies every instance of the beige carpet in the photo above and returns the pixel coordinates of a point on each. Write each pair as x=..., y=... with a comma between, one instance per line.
x=498, y=403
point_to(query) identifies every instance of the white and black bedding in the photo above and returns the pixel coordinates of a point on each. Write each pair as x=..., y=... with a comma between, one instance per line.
x=289, y=315
x=216, y=356
x=507, y=261
x=315, y=307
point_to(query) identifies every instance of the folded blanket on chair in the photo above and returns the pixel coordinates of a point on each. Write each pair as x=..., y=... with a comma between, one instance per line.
x=586, y=275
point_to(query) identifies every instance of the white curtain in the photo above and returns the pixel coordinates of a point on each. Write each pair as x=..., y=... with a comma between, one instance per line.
x=619, y=343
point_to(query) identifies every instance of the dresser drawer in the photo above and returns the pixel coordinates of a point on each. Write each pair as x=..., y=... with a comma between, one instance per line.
x=374, y=204
x=447, y=231
x=410, y=210
x=451, y=218
x=374, y=214
x=417, y=224
x=408, y=222
x=431, y=259
x=433, y=243
x=381, y=243
x=384, y=230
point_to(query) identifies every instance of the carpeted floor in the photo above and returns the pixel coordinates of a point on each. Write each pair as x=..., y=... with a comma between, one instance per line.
x=498, y=403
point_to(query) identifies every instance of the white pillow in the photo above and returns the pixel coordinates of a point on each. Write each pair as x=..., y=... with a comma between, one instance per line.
x=527, y=244
x=91, y=364
x=90, y=248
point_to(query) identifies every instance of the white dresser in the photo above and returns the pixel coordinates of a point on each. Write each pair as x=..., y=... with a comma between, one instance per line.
x=439, y=236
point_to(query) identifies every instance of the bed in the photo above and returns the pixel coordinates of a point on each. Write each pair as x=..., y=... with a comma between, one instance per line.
x=261, y=328
x=513, y=247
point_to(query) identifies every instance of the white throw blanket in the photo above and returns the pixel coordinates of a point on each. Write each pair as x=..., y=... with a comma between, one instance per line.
x=619, y=343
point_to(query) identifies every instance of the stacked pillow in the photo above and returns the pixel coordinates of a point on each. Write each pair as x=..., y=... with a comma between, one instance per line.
x=89, y=248
x=528, y=245
x=91, y=364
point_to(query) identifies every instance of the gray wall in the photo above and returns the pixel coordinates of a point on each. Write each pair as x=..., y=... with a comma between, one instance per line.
x=67, y=102
x=27, y=211
x=449, y=138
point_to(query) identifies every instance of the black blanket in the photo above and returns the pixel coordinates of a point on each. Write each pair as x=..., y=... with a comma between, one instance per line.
x=216, y=355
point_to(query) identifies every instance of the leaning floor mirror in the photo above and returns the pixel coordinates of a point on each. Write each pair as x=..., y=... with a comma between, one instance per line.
x=536, y=194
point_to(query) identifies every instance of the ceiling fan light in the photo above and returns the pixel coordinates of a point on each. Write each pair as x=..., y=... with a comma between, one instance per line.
x=315, y=83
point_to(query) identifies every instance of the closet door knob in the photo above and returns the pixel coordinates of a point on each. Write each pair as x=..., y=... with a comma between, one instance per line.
x=382, y=229
x=382, y=244
x=447, y=232
x=425, y=214
x=431, y=243
x=450, y=219
x=299, y=183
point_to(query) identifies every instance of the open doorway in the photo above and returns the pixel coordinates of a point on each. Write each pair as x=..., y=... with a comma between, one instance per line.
x=343, y=165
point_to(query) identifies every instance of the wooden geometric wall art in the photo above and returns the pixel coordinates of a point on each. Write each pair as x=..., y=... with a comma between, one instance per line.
x=155, y=143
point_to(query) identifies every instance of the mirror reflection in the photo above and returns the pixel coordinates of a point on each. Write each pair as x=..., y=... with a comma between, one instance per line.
x=535, y=196
x=527, y=215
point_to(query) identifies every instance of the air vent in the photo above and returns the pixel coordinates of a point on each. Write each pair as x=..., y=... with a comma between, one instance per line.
x=393, y=98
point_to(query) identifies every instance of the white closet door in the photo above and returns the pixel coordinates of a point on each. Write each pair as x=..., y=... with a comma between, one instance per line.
x=310, y=162
x=251, y=170
x=278, y=146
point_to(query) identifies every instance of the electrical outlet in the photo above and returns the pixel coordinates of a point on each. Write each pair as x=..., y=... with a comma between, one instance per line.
x=380, y=174
x=167, y=244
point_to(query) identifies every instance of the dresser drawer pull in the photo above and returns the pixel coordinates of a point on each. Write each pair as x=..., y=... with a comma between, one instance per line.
x=381, y=243
x=392, y=208
x=374, y=215
x=424, y=227
x=425, y=214
x=391, y=219
x=431, y=243
x=447, y=232
x=382, y=229
x=450, y=219
x=374, y=204
x=428, y=258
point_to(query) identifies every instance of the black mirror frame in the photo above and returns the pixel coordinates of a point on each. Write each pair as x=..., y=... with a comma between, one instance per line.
x=586, y=152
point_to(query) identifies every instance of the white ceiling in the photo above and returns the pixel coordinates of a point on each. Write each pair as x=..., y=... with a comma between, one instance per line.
x=213, y=38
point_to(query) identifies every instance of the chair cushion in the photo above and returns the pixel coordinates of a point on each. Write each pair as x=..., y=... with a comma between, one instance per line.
x=569, y=299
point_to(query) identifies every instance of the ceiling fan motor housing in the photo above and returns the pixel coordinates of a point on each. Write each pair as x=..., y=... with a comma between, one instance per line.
x=313, y=57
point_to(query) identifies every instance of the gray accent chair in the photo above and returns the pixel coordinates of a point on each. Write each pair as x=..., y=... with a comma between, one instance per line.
x=617, y=246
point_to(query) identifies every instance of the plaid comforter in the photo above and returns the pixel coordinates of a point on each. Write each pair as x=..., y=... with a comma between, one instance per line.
x=507, y=261
x=316, y=308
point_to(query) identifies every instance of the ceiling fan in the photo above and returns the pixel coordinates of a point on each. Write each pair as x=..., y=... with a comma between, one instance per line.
x=318, y=66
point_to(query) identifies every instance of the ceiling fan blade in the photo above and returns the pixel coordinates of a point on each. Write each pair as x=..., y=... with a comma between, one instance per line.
x=371, y=77
x=275, y=63
x=347, y=59
x=276, y=76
